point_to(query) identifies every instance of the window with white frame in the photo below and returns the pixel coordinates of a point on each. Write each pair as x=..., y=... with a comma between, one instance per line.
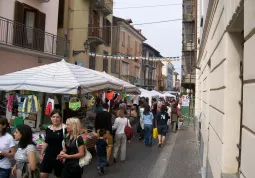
x=124, y=68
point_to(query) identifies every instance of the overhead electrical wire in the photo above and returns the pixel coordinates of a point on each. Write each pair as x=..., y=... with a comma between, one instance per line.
x=145, y=23
x=139, y=7
x=136, y=7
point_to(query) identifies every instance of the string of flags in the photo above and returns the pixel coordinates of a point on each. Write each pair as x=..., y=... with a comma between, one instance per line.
x=119, y=57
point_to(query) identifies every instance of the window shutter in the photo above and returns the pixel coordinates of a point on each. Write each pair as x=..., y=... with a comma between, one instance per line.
x=41, y=18
x=40, y=34
x=19, y=12
x=18, y=28
x=61, y=9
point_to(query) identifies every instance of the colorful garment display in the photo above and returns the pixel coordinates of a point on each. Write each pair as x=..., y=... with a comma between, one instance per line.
x=91, y=102
x=109, y=95
x=11, y=100
x=31, y=104
x=136, y=99
x=118, y=98
x=74, y=104
x=49, y=106
x=123, y=95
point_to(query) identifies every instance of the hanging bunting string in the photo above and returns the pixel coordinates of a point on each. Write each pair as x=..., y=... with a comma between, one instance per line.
x=121, y=57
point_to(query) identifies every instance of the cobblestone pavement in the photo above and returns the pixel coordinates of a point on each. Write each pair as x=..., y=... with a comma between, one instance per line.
x=177, y=159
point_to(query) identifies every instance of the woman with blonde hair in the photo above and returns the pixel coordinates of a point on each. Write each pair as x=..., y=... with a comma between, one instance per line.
x=120, y=136
x=73, y=150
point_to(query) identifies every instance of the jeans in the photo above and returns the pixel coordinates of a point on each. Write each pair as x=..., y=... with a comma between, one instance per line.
x=148, y=134
x=5, y=173
x=101, y=161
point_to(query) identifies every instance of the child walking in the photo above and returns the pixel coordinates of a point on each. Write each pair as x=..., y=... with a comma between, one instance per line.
x=101, y=146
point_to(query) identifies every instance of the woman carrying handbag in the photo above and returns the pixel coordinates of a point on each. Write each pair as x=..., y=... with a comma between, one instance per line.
x=120, y=137
x=73, y=150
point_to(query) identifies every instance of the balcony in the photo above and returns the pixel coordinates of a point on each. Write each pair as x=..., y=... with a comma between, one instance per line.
x=188, y=46
x=148, y=63
x=188, y=17
x=99, y=35
x=18, y=35
x=105, y=6
x=144, y=82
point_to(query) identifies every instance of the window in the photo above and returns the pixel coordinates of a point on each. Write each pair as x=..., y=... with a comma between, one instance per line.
x=105, y=62
x=107, y=30
x=115, y=66
x=123, y=38
x=128, y=41
x=137, y=71
x=92, y=59
x=27, y=35
x=124, y=68
x=136, y=48
x=61, y=8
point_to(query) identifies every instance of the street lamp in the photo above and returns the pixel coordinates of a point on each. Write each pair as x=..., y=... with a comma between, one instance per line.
x=86, y=45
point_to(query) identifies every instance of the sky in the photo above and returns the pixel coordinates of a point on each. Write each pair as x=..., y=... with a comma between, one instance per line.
x=164, y=37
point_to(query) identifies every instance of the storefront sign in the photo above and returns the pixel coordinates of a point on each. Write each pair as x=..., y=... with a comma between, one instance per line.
x=185, y=100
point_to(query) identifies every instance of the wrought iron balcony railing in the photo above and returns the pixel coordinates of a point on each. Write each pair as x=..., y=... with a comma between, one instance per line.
x=20, y=35
x=99, y=34
x=144, y=82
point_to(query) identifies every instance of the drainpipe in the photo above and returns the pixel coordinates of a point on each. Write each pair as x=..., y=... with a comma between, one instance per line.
x=241, y=118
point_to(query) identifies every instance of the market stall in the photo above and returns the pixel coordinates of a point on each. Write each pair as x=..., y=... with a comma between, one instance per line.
x=33, y=93
x=169, y=95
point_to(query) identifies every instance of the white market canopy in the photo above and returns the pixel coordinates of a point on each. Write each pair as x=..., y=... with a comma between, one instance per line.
x=169, y=95
x=60, y=77
x=128, y=87
x=145, y=93
x=156, y=93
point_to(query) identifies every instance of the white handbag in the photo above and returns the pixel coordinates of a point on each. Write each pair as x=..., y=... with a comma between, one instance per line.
x=84, y=161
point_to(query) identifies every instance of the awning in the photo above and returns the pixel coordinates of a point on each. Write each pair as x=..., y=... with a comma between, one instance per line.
x=60, y=77
x=128, y=87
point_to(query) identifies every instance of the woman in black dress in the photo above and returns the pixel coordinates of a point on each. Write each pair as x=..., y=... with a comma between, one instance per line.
x=52, y=146
x=73, y=150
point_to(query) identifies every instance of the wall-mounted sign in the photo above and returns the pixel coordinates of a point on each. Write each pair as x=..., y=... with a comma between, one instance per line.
x=80, y=63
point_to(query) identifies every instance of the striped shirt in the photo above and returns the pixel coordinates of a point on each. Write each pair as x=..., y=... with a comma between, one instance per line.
x=22, y=154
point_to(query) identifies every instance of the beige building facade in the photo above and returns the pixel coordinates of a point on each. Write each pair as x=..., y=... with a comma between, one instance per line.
x=126, y=41
x=225, y=87
x=88, y=24
x=28, y=34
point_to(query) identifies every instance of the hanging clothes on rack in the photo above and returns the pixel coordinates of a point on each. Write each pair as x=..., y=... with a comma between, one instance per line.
x=74, y=104
x=49, y=106
x=123, y=95
x=103, y=97
x=31, y=104
x=109, y=95
x=11, y=100
x=136, y=99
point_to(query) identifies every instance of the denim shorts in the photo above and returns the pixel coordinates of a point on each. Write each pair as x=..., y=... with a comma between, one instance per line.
x=5, y=173
x=162, y=130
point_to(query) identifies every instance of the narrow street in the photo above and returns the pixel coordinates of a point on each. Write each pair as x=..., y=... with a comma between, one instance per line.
x=177, y=159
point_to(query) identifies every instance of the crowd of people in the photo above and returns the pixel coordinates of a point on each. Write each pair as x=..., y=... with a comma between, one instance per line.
x=63, y=148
